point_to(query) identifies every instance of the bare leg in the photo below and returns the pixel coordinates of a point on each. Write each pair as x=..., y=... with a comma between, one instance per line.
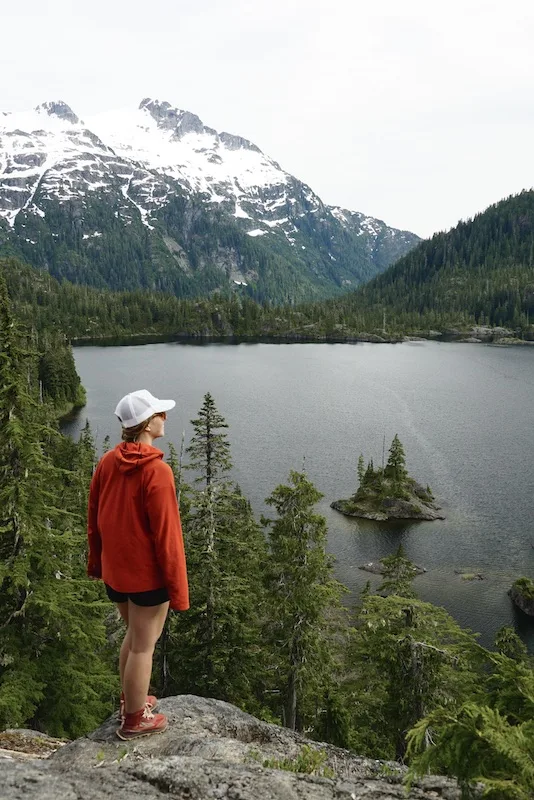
x=125, y=647
x=145, y=625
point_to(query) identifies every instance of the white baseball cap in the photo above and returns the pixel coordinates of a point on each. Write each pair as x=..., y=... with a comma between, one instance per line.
x=135, y=407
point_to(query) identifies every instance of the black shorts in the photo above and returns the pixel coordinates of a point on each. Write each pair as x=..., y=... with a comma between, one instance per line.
x=153, y=598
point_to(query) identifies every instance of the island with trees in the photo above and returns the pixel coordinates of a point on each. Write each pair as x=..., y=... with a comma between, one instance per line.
x=388, y=492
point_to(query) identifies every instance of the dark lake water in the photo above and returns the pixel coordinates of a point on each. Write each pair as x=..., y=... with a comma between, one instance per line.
x=462, y=411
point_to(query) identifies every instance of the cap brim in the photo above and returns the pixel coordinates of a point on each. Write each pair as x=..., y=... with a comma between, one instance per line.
x=164, y=405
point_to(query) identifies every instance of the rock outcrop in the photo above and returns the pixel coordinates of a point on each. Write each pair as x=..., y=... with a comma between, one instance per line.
x=211, y=751
x=522, y=593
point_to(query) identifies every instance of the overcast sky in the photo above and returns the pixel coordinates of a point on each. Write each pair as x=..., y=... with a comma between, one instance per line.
x=420, y=113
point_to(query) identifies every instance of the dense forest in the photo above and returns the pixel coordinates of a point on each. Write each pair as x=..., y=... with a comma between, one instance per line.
x=191, y=250
x=480, y=273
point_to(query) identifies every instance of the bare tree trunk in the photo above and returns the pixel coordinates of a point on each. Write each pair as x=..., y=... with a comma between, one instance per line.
x=291, y=701
x=210, y=601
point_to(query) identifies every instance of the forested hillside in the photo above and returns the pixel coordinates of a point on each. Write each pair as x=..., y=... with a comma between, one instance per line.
x=480, y=272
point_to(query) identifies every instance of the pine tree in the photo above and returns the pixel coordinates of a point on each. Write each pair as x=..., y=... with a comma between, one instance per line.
x=396, y=467
x=51, y=673
x=303, y=598
x=218, y=642
x=406, y=658
x=209, y=449
x=398, y=572
x=509, y=644
x=361, y=471
x=488, y=739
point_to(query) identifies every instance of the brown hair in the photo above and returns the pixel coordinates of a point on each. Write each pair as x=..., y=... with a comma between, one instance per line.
x=132, y=434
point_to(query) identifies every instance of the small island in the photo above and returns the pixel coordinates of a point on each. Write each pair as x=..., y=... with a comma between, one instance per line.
x=522, y=593
x=388, y=492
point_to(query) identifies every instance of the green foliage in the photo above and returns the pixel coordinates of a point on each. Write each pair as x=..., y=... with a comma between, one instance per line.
x=304, y=601
x=489, y=738
x=309, y=761
x=406, y=658
x=477, y=744
x=215, y=649
x=396, y=466
x=398, y=572
x=53, y=667
x=361, y=470
x=508, y=643
x=525, y=586
x=209, y=450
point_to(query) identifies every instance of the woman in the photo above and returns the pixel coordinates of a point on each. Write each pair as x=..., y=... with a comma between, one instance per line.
x=136, y=548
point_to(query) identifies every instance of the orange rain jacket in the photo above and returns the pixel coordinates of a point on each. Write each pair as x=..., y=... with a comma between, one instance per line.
x=134, y=529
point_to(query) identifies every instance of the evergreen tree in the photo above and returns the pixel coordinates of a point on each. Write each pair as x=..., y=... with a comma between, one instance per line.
x=508, y=643
x=51, y=673
x=218, y=643
x=396, y=467
x=209, y=449
x=398, y=572
x=304, y=601
x=406, y=659
x=488, y=739
x=361, y=470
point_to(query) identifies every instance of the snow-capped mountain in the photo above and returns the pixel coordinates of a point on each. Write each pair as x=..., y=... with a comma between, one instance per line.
x=154, y=198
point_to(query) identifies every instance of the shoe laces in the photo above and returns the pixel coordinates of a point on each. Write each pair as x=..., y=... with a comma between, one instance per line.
x=147, y=713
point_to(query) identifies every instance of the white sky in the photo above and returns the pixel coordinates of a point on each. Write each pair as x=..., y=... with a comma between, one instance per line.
x=418, y=112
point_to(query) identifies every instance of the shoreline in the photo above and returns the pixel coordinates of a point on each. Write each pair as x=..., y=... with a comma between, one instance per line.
x=199, y=339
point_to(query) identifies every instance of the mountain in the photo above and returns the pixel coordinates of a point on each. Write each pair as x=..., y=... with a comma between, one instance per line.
x=480, y=272
x=152, y=198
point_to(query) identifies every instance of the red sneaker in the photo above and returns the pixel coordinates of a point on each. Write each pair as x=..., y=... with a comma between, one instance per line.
x=142, y=723
x=151, y=703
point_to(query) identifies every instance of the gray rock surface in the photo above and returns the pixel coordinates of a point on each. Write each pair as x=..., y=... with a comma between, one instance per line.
x=526, y=604
x=376, y=568
x=211, y=751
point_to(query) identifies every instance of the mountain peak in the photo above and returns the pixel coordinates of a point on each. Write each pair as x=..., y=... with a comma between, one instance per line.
x=57, y=108
x=174, y=119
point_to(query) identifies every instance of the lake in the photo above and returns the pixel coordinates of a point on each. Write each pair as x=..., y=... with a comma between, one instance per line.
x=462, y=411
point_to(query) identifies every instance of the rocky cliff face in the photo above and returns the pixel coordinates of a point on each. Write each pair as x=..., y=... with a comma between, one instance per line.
x=211, y=751
x=522, y=599
x=82, y=199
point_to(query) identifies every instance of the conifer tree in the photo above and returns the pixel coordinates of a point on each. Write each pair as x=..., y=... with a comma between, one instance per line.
x=303, y=598
x=396, y=466
x=216, y=647
x=51, y=673
x=398, y=572
x=488, y=739
x=361, y=470
x=406, y=658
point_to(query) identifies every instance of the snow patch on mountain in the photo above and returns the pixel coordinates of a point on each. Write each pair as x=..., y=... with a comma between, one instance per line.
x=135, y=161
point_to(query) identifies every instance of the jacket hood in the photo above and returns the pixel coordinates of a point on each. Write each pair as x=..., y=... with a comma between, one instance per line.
x=132, y=456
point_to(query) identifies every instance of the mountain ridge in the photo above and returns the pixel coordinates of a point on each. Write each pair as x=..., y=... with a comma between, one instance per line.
x=157, y=170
